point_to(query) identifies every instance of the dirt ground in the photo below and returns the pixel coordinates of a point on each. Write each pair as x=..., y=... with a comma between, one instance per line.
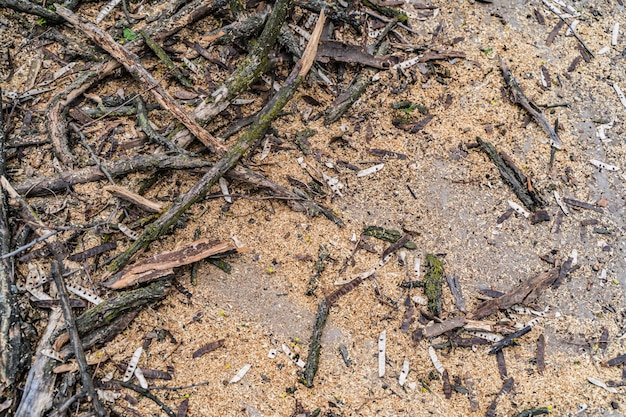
x=445, y=195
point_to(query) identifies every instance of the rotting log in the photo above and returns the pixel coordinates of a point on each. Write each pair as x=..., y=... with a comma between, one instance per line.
x=199, y=190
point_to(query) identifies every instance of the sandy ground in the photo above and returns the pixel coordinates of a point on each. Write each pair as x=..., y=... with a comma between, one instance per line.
x=448, y=198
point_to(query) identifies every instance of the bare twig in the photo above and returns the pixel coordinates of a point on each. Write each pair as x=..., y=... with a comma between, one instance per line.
x=79, y=353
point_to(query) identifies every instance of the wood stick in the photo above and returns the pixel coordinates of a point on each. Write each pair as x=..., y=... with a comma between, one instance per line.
x=520, y=98
x=136, y=199
x=77, y=346
x=50, y=184
x=10, y=333
x=265, y=117
x=131, y=62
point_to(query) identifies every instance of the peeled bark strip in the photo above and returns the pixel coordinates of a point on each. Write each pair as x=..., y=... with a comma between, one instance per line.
x=262, y=122
x=525, y=294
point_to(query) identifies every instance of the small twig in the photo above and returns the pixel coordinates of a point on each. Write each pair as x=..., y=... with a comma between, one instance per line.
x=146, y=127
x=30, y=244
x=165, y=387
x=520, y=98
x=146, y=393
x=582, y=43
x=93, y=155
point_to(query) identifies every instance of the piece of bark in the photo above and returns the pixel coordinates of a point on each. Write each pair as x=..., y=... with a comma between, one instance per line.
x=524, y=294
x=507, y=386
x=512, y=176
x=435, y=329
x=457, y=292
x=615, y=361
x=501, y=365
x=344, y=52
x=210, y=347
x=541, y=353
x=163, y=263
x=38, y=392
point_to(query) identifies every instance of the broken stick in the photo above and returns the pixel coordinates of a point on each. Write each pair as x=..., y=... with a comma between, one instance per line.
x=518, y=97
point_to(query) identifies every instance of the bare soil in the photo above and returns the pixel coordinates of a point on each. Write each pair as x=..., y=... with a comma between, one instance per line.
x=446, y=195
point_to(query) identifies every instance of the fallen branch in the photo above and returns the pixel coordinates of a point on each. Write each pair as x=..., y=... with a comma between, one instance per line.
x=263, y=120
x=51, y=184
x=518, y=97
x=10, y=328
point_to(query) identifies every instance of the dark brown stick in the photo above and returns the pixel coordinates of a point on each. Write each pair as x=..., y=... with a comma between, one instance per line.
x=77, y=346
x=520, y=98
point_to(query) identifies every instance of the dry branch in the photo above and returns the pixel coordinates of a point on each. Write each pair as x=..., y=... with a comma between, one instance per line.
x=518, y=97
x=263, y=120
x=131, y=62
x=52, y=184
